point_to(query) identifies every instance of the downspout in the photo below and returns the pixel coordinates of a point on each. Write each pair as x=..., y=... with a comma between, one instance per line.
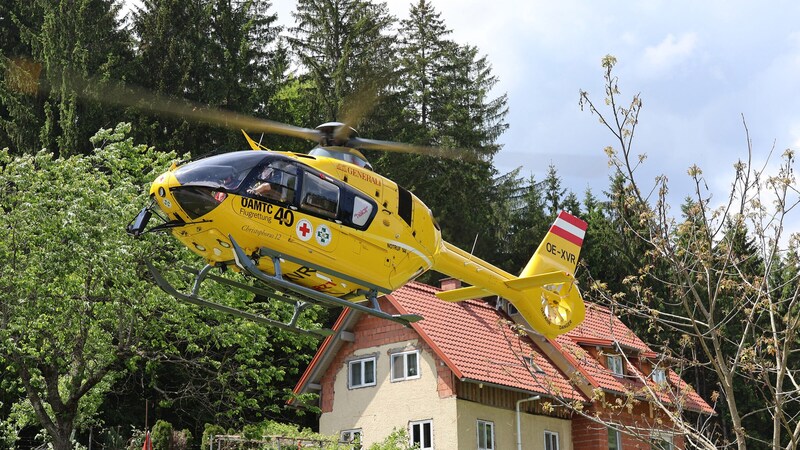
x=519, y=427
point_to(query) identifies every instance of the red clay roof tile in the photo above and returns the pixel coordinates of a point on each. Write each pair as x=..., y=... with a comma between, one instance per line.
x=479, y=343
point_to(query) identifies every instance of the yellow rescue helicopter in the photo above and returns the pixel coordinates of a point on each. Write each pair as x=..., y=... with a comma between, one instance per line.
x=327, y=228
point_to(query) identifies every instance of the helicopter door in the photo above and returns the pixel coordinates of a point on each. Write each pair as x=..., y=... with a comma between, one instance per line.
x=275, y=182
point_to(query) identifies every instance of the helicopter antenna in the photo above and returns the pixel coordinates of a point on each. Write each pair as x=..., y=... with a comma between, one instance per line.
x=260, y=139
x=473, y=246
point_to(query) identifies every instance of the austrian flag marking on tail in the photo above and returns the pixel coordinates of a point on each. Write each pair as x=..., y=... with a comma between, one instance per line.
x=569, y=227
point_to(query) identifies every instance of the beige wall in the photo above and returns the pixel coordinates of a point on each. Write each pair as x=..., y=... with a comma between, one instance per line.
x=388, y=405
x=532, y=426
x=379, y=409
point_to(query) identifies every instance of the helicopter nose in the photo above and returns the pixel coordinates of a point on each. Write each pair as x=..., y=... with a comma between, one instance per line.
x=160, y=185
x=161, y=192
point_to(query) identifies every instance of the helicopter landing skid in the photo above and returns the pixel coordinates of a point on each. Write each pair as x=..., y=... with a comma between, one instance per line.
x=301, y=299
x=246, y=263
x=195, y=299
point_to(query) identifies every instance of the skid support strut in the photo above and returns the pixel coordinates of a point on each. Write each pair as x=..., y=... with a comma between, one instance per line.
x=195, y=299
x=246, y=263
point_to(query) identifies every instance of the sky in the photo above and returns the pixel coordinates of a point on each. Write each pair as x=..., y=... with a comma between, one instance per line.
x=701, y=67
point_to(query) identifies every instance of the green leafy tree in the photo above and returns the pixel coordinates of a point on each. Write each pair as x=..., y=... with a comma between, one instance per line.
x=74, y=306
x=162, y=435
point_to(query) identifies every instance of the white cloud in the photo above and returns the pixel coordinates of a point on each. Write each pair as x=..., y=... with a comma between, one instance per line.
x=669, y=53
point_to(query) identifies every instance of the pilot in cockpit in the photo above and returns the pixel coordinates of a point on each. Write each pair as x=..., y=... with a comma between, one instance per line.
x=268, y=184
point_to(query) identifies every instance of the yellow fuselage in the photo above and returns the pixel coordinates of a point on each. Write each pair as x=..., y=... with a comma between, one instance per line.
x=344, y=230
x=386, y=254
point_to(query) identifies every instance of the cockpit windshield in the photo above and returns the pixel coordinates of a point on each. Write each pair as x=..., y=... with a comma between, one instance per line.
x=227, y=170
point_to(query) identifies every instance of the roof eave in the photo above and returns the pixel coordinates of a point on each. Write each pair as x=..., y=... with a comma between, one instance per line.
x=326, y=352
x=418, y=328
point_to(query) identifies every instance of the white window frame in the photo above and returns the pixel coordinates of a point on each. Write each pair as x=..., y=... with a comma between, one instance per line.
x=548, y=440
x=362, y=362
x=421, y=424
x=481, y=428
x=404, y=357
x=354, y=437
x=617, y=436
x=616, y=365
x=662, y=436
x=659, y=376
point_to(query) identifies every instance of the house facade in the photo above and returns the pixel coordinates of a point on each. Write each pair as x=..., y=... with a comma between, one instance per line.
x=467, y=377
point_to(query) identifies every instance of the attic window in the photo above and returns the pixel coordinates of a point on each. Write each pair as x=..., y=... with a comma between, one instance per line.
x=531, y=364
x=405, y=366
x=615, y=365
x=659, y=376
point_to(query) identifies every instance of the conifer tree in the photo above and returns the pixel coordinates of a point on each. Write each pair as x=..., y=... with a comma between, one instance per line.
x=61, y=43
x=446, y=93
x=422, y=55
x=529, y=223
x=345, y=46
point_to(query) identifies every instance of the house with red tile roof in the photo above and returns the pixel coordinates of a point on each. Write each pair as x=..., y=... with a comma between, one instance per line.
x=467, y=376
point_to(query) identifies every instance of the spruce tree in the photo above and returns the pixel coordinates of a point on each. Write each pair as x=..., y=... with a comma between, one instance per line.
x=63, y=44
x=344, y=46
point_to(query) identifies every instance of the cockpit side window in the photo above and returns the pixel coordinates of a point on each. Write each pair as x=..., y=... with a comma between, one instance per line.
x=276, y=181
x=319, y=196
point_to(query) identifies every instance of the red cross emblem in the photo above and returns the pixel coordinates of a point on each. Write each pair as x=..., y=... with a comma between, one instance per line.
x=304, y=229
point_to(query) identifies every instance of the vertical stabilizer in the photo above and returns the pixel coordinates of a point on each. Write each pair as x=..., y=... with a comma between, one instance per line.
x=560, y=248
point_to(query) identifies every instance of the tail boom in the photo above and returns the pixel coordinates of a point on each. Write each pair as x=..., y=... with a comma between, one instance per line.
x=545, y=293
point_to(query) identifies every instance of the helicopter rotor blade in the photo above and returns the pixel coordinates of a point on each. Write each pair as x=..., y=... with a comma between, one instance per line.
x=115, y=93
x=142, y=99
x=357, y=106
x=389, y=146
x=24, y=74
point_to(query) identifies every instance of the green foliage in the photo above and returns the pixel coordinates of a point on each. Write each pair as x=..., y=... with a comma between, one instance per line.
x=215, y=52
x=162, y=435
x=397, y=440
x=94, y=322
x=58, y=43
x=345, y=46
x=209, y=431
x=74, y=303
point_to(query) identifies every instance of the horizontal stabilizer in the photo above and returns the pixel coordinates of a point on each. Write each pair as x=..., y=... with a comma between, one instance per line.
x=534, y=281
x=461, y=294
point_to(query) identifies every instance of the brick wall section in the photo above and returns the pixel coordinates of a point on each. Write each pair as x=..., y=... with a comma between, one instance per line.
x=447, y=380
x=370, y=332
x=587, y=435
x=590, y=435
